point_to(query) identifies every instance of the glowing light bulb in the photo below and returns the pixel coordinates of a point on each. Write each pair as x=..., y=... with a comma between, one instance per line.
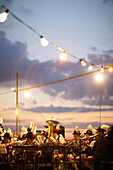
x=90, y=67
x=63, y=56
x=12, y=89
x=16, y=112
x=102, y=69
x=110, y=69
x=3, y=16
x=44, y=41
x=83, y=62
x=99, y=77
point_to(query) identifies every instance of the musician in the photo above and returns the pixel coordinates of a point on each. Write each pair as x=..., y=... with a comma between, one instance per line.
x=30, y=140
x=110, y=133
x=76, y=138
x=87, y=142
x=4, y=150
x=58, y=155
x=99, y=148
x=59, y=137
x=42, y=138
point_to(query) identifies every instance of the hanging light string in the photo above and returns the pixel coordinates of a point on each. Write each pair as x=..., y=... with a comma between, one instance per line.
x=62, y=80
x=58, y=81
x=43, y=39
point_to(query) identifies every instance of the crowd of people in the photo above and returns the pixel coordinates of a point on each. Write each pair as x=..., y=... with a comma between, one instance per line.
x=85, y=151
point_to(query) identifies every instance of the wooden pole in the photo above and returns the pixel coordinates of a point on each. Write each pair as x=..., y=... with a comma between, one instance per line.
x=16, y=103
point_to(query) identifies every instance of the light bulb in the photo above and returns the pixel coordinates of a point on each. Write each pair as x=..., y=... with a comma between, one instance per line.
x=3, y=16
x=83, y=62
x=102, y=69
x=16, y=112
x=110, y=69
x=90, y=67
x=63, y=56
x=44, y=41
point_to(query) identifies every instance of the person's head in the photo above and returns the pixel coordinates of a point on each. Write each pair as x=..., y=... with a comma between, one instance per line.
x=76, y=134
x=30, y=137
x=88, y=133
x=100, y=131
x=28, y=129
x=7, y=138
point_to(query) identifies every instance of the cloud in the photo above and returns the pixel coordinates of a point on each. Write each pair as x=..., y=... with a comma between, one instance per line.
x=13, y=59
x=105, y=101
x=59, y=109
x=94, y=49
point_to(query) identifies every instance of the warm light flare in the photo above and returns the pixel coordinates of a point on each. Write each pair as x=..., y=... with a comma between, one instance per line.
x=63, y=56
x=99, y=77
x=16, y=112
x=110, y=69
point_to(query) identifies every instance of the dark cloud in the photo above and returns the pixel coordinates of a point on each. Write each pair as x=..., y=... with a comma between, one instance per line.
x=108, y=52
x=105, y=101
x=93, y=49
x=52, y=109
x=13, y=59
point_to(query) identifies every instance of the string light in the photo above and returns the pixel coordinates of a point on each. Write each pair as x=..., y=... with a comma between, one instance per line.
x=102, y=69
x=83, y=62
x=3, y=16
x=44, y=41
x=63, y=56
x=110, y=69
x=90, y=67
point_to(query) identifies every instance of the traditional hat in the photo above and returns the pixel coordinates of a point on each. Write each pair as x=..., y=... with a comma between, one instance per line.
x=101, y=130
x=105, y=127
x=89, y=132
x=76, y=131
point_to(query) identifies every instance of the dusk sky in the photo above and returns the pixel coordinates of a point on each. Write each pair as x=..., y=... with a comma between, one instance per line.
x=83, y=28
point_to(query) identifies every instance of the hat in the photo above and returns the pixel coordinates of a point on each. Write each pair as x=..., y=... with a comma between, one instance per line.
x=7, y=135
x=101, y=130
x=89, y=132
x=76, y=132
x=30, y=135
x=105, y=127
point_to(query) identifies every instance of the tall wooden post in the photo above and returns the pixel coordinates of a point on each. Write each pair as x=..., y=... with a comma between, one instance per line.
x=16, y=103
